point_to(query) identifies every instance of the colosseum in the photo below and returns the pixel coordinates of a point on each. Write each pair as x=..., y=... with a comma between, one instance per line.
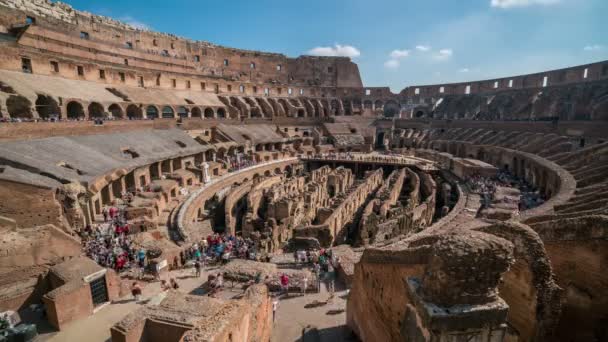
x=160, y=189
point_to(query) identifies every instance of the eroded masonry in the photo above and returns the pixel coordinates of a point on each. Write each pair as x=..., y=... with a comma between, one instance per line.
x=471, y=211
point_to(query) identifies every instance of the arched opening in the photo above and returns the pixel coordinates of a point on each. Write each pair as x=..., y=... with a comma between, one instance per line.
x=115, y=110
x=267, y=173
x=367, y=104
x=378, y=104
x=335, y=107
x=75, y=110
x=419, y=114
x=152, y=112
x=182, y=112
x=19, y=107
x=391, y=109
x=380, y=140
x=134, y=112
x=96, y=110
x=221, y=153
x=221, y=113
x=47, y=107
x=209, y=113
x=196, y=112
x=301, y=113
x=210, y=155
x=168, y=112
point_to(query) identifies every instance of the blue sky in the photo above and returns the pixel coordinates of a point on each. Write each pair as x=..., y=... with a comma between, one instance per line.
x=395, y=42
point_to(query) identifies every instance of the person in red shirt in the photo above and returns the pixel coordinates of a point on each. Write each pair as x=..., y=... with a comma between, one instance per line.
x=285, y=283
x=113, y=211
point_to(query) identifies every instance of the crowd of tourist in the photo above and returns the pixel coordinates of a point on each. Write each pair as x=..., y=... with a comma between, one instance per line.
x=237, y=163
x=530, y=197
x=382, y=158
x=109, y=243
x=219, y=248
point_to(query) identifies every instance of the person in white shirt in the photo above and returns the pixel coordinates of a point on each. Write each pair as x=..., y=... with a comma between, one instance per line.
x=304, y=285
x=275, y=305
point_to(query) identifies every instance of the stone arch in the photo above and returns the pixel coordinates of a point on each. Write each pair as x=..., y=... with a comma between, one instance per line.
x=301, y=113
x=209, y=114
x=419, y=114
x=46, y=106
x=134, y=112
x=168, y=112
x=368, y=104
x=74, y=110
x=221, y=152
x=196, y=112
x=152, y=112
x=347, y=107
x=267, y=173
x=335, y=107
x=182, y=112
x=378, y=104
x=391, y=109
x=19, y=107
x=116, y=110
x=277, y=171
x=221, y=113
x=210, y=155
x=96, y=110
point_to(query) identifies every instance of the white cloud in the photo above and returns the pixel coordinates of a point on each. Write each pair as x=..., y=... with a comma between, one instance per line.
x=335, y=51
x=594, y=47
x=397, y=54
x=443, y=54
x=423, y=48
x=464, y=70
x=505, y=4
x=134, y=23
x=392, y=64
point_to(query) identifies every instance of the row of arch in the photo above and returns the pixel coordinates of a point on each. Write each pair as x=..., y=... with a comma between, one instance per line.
x=47, y=107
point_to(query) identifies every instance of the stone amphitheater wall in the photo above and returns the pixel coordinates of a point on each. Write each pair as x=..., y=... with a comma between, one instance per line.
x=231, y=200
x=30, y=205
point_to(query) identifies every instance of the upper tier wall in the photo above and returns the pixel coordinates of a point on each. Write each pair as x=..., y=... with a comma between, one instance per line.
x=60, y=31
x=577, y=74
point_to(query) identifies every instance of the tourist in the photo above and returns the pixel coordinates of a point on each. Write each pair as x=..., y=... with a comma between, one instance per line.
x=197, y=268
x=141, y=256
x=304, y=285
x=275, y=305
x=330, y=278
x=285, y=283
x=136, y=291
x=220, y=280
x=105, y=214
x=174, y=284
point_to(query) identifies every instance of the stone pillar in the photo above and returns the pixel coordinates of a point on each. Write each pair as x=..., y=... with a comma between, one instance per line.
x=452, y=301
x=206, y=177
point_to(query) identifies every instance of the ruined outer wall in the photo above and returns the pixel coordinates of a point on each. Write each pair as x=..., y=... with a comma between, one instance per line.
x=59, y=26
x=577, y=74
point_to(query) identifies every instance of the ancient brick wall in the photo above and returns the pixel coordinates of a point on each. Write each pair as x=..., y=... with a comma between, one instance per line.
x=30, y=205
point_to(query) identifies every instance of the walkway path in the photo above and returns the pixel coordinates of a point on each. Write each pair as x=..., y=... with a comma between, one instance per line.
x=294, y=313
